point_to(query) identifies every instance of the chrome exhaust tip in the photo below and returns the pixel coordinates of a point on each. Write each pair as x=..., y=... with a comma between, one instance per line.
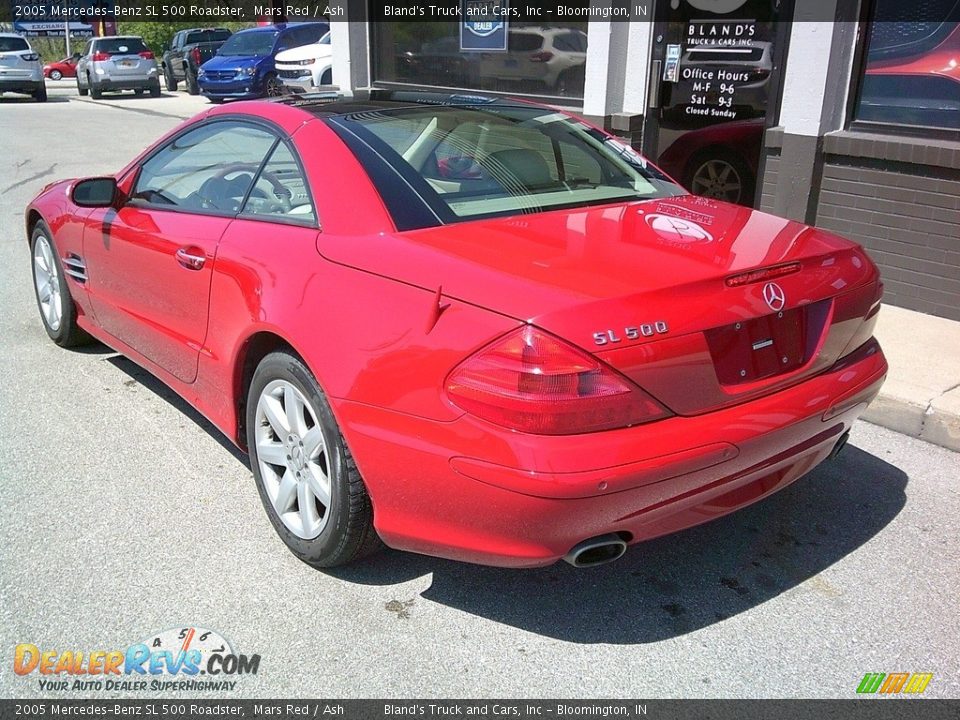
x=596, y=551
x=841, y=444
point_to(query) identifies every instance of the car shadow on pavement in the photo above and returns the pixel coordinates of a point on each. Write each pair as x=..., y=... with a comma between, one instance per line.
x=27, y=100
x=662, y=588
x=683, y=582
x=158, y=388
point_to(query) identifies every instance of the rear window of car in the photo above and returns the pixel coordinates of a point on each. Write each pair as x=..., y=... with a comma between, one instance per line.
x=13, y=44
x=202, y=36
x=118, y=46
x=524, y=42
x=472, y=162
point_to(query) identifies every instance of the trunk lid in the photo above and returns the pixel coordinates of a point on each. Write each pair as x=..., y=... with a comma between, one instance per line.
x=647, y=287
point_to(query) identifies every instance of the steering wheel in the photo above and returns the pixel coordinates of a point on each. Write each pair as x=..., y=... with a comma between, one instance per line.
x=280, y=191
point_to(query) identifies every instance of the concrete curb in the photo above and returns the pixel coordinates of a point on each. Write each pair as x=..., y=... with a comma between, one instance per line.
x=921, y=396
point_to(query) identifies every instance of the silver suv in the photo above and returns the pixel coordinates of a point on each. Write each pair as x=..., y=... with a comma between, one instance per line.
x=117, y=62
x=20, y=69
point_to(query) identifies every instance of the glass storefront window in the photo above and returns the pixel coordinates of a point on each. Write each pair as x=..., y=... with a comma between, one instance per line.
x=912, y=70
x=545, y=60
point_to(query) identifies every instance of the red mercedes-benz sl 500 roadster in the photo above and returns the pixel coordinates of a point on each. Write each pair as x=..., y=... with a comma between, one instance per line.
x=464, y=326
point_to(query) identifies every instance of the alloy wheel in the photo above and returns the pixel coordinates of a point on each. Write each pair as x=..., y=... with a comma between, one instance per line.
x=56, y=75
x=717, y=179
x=292, y=455
x=47, y=276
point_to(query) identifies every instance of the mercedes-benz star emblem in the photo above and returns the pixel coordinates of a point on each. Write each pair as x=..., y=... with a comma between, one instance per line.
x=774, y=296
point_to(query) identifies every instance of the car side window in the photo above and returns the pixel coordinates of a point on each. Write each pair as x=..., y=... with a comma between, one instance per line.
x=280, y=191
x=209, y=169
x=88, y=48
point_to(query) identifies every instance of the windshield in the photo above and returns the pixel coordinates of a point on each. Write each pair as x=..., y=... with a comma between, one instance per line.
x=249, y=43
x=502, y=159
x=13, y=44
x=325, y=40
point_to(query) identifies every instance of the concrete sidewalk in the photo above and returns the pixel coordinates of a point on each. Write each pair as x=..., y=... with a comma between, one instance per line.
x=921, y=396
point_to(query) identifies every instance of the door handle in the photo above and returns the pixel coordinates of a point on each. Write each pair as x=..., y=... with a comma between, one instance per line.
x=191, y=258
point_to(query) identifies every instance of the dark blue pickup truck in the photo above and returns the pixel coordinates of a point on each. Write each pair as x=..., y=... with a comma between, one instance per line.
x=189, y=49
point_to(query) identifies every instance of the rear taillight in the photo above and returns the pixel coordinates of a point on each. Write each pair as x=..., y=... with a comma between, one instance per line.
x=100, y=56
x=146, y=54
x=30, y=57
x=195, y=54
x=533, y=382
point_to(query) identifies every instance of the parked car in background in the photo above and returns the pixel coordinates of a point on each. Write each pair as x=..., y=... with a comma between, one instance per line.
x=117, y=62
x=245, y=65
x=66, y=68
x=20, y=69
x=913, y=75
x=303, y=68
x=719, y=161
x=514, y=340
x=189, y=49
x=544, y=58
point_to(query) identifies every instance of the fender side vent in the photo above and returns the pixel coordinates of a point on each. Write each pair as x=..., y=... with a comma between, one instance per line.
x=75, y=267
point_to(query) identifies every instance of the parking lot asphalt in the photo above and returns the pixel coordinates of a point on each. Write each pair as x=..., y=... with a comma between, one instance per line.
x=123, y=513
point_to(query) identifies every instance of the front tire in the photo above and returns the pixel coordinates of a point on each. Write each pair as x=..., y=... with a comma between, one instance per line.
x=307, y=479
x=272, y=86
x=57, y=309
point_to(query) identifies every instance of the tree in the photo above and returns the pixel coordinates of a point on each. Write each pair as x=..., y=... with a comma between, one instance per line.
x=157, y=35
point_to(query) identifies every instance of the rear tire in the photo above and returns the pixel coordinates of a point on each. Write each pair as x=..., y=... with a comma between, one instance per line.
x=169, y=79
x=295, y=447
x=720, y=174
x=41, y=94
x=57, y=310
x=80, y=89
x=95, y=92
x=191, y=78
x=155, y=89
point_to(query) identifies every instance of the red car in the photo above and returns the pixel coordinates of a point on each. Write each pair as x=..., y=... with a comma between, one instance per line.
x=718, y=161
x=66, y=68
x=465, y=327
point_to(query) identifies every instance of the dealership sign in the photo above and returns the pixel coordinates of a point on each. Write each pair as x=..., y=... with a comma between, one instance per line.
x=483, y=25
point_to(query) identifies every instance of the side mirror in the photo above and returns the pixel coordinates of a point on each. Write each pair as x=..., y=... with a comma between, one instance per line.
x=95, y=192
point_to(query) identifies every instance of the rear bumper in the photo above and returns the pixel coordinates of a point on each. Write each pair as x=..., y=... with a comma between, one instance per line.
x=470, y=491
x=21, y=85
x=141, y=83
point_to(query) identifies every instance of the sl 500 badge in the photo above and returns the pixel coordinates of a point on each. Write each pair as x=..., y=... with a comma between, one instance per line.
x=606, y=337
